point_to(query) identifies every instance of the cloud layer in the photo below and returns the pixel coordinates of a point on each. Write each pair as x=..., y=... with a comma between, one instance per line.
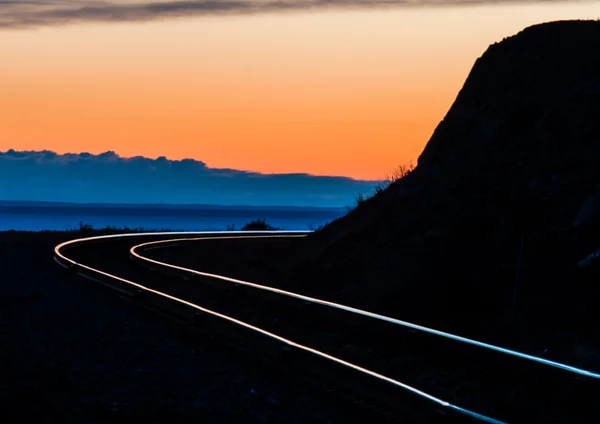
x=28, y=13
x=109, y=178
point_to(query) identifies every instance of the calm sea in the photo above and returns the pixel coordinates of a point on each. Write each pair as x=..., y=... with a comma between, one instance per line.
x=40, y=216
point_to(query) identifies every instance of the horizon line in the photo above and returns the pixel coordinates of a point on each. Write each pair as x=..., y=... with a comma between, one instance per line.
x=191, y=205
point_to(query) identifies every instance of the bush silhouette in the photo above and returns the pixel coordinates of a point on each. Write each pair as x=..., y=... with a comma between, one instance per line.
x=391, y=177
x=258, y=225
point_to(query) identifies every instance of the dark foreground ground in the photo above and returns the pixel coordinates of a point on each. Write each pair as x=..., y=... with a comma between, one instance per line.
x=275, y=263
x=511, y=390
x=73, y=351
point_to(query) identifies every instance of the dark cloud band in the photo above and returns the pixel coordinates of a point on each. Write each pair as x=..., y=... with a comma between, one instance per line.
x=109, y=178
x=28, y=13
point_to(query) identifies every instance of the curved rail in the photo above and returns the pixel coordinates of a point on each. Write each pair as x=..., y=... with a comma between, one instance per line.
x=62, y=260
x=357, y=311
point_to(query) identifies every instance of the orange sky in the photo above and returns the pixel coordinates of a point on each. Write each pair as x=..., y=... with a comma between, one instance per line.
x=331, y=93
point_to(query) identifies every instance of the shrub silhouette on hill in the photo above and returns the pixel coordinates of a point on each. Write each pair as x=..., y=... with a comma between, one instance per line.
x=390, y=178
x=395, y=175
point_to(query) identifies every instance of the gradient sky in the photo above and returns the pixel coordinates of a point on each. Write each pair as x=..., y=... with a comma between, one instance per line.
x=328, y=92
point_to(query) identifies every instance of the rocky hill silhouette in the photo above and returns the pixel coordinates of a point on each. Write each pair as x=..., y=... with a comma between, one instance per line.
x=491, y=226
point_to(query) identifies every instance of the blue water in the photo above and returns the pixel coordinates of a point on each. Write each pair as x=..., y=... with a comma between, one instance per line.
x=37, y=217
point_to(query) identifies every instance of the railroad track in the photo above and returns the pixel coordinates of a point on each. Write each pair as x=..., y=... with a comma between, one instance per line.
x=400, y=370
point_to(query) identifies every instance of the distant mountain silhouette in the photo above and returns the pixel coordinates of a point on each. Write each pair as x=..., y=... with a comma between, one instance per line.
x=513, y=160
x=109, y=178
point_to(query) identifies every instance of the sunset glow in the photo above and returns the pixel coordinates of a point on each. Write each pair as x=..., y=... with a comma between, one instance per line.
x=352, y=93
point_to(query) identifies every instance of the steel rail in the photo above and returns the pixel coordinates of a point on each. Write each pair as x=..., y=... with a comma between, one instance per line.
x=59, y=257
x=559, y=365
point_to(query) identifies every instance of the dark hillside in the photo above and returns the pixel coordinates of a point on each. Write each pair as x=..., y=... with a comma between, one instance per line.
x=514, y=159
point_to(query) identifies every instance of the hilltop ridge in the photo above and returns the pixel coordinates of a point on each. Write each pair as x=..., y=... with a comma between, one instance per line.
x=513, y=160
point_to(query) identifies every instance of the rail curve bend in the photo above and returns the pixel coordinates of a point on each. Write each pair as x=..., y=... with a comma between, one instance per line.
x=134, y=251
x=90, y=272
